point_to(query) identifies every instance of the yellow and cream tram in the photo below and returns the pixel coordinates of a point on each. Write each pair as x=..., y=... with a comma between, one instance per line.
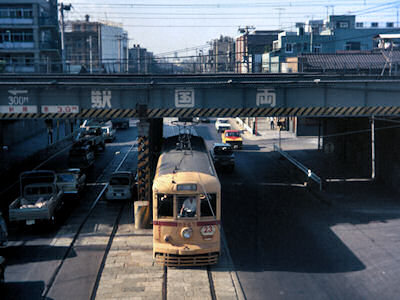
x=186, y=204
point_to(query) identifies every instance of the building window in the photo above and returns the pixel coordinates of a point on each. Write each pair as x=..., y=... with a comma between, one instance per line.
x=359, y=24
x=305, y=47
x=289, y=48
x=389, y=24
x=374, y=24
x=353, y=46
x=343, y=25
x=317, y=48
x=275, y=45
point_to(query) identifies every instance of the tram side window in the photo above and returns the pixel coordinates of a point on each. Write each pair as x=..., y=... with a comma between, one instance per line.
x=165, y=205
x=206, y=210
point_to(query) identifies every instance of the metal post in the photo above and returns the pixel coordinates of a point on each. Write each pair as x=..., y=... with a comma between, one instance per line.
x=319, y=134
x=373, y=165
x=280, y=137
x=58, y=129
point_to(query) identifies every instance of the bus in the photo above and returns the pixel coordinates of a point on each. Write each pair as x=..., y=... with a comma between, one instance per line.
x=186, y=204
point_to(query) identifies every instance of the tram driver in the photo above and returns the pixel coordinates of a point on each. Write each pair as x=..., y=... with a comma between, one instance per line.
x=188, y=208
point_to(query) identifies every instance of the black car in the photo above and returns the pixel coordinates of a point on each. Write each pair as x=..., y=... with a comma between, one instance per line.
x=223, y=156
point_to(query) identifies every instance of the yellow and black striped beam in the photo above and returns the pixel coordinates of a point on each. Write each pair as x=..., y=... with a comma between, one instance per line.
x=352, y=111
x=143, y=169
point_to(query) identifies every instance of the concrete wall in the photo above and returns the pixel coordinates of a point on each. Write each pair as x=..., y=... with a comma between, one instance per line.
x=349, y=140
x=388, y=153
x=13, y=132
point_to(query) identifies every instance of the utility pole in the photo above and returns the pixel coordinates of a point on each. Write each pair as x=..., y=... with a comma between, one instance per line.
x=279, y=9
x=90, y=54
x=127, y=53
x=245, y=32
x=63, y=54
x=119, y=38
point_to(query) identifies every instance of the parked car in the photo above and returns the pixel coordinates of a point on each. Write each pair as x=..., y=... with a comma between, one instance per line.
x=108, y=133
x=202, y=119
x=223, y=156
x=71, y=181
x=233, y=137
x=222, y=124
x=122, y=186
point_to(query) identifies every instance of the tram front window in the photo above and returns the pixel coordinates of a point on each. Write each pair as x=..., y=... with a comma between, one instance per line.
x=208, y=205
x=165, y=205
x=187, y=206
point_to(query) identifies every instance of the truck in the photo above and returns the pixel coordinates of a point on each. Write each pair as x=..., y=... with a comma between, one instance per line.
x=81, y=155
x=222, y=124
x=94, y=137
x=120, y=123
x=40, y=198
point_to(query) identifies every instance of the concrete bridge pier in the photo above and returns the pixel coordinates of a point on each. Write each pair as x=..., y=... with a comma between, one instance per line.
x=150, y=132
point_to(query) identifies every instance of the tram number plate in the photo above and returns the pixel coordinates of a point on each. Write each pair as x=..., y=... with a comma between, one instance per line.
x=30, y=222
x=207, y=230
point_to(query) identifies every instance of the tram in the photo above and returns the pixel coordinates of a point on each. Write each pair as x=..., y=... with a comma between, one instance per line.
x=186, y=204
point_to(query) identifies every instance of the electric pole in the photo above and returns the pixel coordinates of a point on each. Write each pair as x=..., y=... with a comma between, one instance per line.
x=63, y=54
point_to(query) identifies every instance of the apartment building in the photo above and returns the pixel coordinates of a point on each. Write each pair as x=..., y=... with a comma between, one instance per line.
x=96, y=47
x=29, y=36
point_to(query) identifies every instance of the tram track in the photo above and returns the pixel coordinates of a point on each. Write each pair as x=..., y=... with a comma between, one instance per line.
x=211, y=283
x=79, y=230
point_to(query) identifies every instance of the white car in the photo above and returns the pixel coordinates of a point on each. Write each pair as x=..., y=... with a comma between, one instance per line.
x=108, y=133
x=222, y=124
x=122, y=186
x=71, y=181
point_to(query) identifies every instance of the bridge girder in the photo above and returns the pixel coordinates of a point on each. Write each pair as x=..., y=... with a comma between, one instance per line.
x=217, y=95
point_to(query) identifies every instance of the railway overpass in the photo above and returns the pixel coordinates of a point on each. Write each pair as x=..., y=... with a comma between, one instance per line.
x=151, y=98
x=219, y=95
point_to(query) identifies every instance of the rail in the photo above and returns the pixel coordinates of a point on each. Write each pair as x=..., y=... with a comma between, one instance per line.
x=299, y=165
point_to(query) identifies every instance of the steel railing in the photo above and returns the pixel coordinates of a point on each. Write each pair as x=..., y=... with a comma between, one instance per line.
x=310, y=174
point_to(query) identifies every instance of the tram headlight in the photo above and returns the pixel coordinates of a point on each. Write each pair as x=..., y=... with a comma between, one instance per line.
x=187, y=233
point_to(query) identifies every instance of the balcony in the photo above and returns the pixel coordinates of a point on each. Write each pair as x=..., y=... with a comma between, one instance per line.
x=17, y=45
x=16, y=21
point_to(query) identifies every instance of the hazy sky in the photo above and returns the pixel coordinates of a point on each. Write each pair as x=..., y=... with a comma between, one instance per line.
x=163, y=26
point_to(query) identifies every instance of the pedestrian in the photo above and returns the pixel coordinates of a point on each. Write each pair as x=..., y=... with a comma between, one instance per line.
x=272, y=124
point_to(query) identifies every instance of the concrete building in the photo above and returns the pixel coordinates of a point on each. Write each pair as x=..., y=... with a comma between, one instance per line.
x=29, y=36
x=336, y=34
x=140, y=60
x=221, y=56
x=251, y=46
x=97, y=46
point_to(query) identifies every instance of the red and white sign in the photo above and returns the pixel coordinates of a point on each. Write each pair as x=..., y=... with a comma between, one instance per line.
x=18, y=109
x=58, y=109
x=207, y=230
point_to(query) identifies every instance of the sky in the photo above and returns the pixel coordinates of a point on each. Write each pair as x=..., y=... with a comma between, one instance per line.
x=184, y=26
